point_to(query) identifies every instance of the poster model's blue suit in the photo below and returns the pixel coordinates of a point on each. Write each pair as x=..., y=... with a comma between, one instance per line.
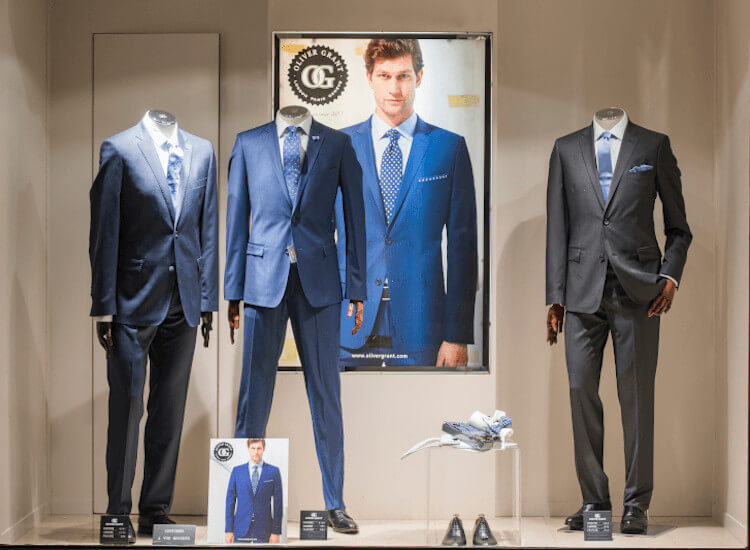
x=260, y=272
x=253, y=518
x=437, y=192
x=155, y=268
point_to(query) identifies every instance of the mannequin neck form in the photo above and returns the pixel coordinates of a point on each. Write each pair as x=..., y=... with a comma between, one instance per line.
x=163, y=121
x=293, y=115
x=609, y=117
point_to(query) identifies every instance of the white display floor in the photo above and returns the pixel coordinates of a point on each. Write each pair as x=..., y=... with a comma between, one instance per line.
x=682, y=532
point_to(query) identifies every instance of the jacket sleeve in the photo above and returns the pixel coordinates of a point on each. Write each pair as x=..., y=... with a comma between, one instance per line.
x=104, y=235
x=669, y=187
x=231, y=499
x=353, y=206
x=461, y=251
x=557, y=232
x=238, y=216
x=278, y=503
x=210, y=243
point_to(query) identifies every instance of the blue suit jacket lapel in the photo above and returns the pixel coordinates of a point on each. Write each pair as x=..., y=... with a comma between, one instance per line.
x=182, y=193
x=147, y=147
x=272, y=147
x=314, y=142
x=416, y=155
x=365, y=149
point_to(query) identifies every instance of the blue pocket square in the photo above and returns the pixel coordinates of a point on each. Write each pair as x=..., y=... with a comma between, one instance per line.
x=641, y=168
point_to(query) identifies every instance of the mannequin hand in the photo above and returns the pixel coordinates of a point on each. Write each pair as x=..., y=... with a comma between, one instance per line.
x=229, y=538
x=555, y=317
x=274, y=539
x=358, y=317
x=234, y=318
x=663, y=301
x=104, y=334
x=452, y=355
x=207, y=320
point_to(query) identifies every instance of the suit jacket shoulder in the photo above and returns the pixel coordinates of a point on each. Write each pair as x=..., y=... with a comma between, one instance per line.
x=356, y=128
x=436, y=132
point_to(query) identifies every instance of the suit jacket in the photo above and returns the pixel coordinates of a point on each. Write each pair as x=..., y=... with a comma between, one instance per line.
x=584, y=233
x=253, y=516
x=135, y=245
x=437, y=192
x=257, y=265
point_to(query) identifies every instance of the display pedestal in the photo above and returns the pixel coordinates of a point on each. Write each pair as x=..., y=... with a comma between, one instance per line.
x=507, y=530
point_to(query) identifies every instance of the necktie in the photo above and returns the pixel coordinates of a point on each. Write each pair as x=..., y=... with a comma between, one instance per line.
x=174, y=165
x=254, y=479
x=391, y=166
x=292, y=162
x=604, y=158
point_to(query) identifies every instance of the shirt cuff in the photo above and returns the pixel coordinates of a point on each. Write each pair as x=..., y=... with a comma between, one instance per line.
x=676, y=284
x=103, y=318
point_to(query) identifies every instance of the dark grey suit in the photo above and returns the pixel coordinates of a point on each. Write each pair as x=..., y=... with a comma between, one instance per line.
x=604, y=266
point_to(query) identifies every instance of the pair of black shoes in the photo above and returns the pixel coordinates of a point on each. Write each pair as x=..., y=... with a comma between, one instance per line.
x=455, y=535
x=341, y=522
x=634, y=520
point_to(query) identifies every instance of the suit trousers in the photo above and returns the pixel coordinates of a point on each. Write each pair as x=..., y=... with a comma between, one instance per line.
x=169, y=347
x=316, y=333
x=635, y=338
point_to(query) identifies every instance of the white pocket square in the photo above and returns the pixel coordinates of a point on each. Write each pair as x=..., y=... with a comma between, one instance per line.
x=641, y=168
x=433, y=178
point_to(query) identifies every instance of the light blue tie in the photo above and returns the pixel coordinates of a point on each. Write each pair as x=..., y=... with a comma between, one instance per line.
x=292, y=161
x=255, y=478
x=391, y=166
x=604, y=158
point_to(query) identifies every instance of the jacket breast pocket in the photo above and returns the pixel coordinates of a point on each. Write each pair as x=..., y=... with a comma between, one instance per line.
x=435, y=178
x=254, y=249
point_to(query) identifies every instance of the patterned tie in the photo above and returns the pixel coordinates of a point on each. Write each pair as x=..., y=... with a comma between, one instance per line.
x=391, y=166
x=604, y=157
x=292, y=161
x=174, y=165
x=254, y=479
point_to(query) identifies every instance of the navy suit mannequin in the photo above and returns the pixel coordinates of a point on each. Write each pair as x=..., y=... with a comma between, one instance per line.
x=286, y=268
x=154, y=265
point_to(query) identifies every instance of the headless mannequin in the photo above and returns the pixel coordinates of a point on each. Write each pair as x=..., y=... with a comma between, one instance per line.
x=292, y=115
x=607, y=118
x=166, y=122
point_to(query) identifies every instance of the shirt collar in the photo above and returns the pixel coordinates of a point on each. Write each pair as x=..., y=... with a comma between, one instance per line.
x=406, y=128
x=281, y=127
x=259, y=465
x=157, y=136
x=618, y=130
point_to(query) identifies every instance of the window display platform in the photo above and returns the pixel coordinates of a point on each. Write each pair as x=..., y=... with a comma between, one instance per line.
x=680, y=532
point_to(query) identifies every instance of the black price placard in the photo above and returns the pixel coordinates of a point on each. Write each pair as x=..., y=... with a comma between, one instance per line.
x=113, y=529
x=597, y=525
x=313, y=525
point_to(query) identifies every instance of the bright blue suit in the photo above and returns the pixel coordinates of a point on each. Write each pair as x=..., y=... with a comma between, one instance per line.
x=437, y=192
x=253, y=517
x=308, y=293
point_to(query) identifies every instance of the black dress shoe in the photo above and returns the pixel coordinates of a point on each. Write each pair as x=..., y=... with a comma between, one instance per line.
x=455, y=535
x=482, y=533
x=634, y=521
x=575, y=522
x=146, y=523
x=342, y=522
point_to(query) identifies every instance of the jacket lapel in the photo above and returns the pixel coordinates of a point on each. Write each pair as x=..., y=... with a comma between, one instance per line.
x=272, y=146
x=586, y=141
x=148, y=148
x=314, y=142
x=416, y=155
x=629, y=140
x=182, y=192
x=365, y=149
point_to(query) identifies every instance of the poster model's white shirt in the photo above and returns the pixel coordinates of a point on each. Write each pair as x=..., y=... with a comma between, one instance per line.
x=380, y=138
x=304, y=134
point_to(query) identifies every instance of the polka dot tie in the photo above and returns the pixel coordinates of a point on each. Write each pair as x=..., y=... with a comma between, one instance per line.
x=391, y=166
x=292, y=161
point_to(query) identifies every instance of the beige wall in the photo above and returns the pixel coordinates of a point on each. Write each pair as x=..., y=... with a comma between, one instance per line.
x=555, y=64
x=732, y=205
x=23, y=266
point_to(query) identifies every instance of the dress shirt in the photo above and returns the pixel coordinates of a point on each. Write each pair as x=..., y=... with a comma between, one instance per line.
x=617, y=131
x=304, y=134
x=380, y=138
x=251, y=465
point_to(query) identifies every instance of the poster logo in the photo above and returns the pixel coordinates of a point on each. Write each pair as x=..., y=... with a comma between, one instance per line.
x=318, y=75
x=223, y=451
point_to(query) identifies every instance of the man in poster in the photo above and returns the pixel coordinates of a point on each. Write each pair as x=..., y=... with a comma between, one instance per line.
x=417, y=180
x=251, y=487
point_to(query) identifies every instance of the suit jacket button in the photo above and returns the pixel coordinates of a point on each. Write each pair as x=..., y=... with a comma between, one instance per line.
x=606, y=222
x=388, y=240
x=171, y=268
x=378, y=282
x=601, y=258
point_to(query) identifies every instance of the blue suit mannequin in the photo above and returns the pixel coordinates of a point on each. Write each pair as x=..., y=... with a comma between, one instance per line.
x=260, y=271
x=154, y=267
x=253, y=519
